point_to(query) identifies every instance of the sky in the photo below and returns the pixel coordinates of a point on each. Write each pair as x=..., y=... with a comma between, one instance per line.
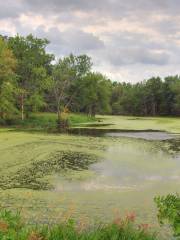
x=128, y=40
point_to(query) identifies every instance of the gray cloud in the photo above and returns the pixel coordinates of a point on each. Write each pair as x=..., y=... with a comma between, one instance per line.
x=11, y=9
x=138, y=55
x=64, y=5
x=116, y=33
x=110, y=7
x=65, y=42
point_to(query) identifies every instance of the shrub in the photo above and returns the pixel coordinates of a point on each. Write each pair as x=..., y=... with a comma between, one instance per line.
x=169, y=210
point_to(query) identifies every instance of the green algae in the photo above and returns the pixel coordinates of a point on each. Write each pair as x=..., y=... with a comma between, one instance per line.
x=169, y=124
x=32, y=175
x=100, y=174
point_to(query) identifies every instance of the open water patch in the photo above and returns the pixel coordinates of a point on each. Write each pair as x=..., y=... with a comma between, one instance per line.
x=147, y=135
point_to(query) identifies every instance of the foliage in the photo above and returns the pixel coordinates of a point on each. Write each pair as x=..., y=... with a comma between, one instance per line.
x=31, y=81
x=148, y=98
x=48, y=121
x=7, y=81
x=7, y=62
x=7, y=103
x=33, y=69
x=13, y=228
x=66, y=74
x=93, y=94
x=169, y=210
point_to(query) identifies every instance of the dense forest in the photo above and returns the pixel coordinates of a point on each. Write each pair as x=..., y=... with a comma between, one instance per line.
x=32, y=80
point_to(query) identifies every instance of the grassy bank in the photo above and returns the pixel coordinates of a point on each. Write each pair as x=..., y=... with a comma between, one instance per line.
x=48, y=121
x=12, y=228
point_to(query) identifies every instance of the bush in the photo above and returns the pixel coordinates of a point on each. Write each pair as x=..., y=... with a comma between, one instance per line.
x=169, y=210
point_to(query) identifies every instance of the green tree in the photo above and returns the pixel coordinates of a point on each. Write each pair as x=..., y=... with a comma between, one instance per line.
x=67, y=73
x=175, y=90
x=7, y=81
x=94, y=94
x=168, y=98
x=116, y=95
x=153, y=91
x=150, y=97
x=33, y=69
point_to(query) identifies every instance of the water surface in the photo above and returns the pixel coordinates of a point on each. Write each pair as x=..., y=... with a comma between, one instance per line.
x=115, y=171
x=133, y=170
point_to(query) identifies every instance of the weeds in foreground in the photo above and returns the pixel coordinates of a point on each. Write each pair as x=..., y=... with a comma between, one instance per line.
x=169, y=211
x=13, y=228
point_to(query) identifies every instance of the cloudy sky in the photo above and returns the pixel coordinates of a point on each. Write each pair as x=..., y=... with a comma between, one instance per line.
x=128, y=40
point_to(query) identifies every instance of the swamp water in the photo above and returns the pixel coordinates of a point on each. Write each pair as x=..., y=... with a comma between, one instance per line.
x=88, y=177
x=133, y=170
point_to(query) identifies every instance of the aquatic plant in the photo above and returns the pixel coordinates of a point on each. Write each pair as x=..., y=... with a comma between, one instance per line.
x=31, y=176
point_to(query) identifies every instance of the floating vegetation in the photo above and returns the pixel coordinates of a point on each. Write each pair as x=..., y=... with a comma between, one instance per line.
x=173, y=145
x=45, y=174
x=32, y=176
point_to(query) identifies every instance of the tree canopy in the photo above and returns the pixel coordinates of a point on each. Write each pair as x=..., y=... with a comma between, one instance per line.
x=7, y=80
x=31, y=79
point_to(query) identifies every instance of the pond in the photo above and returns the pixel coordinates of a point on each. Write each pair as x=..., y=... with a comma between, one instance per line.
x=133, y=170
x=89, y=177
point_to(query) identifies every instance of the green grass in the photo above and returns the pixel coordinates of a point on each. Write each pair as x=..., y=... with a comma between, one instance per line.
x=13, y=228
x=48, y=121
x=76, y=119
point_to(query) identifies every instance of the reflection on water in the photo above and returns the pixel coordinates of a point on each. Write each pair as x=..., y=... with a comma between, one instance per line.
x=129, y=165
x=128, y=177
x=147, y=135
x=123, y=171
x=143, y=135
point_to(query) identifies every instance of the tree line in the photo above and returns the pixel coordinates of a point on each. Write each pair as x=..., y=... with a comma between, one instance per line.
x=151, y=97
x=32, y=80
